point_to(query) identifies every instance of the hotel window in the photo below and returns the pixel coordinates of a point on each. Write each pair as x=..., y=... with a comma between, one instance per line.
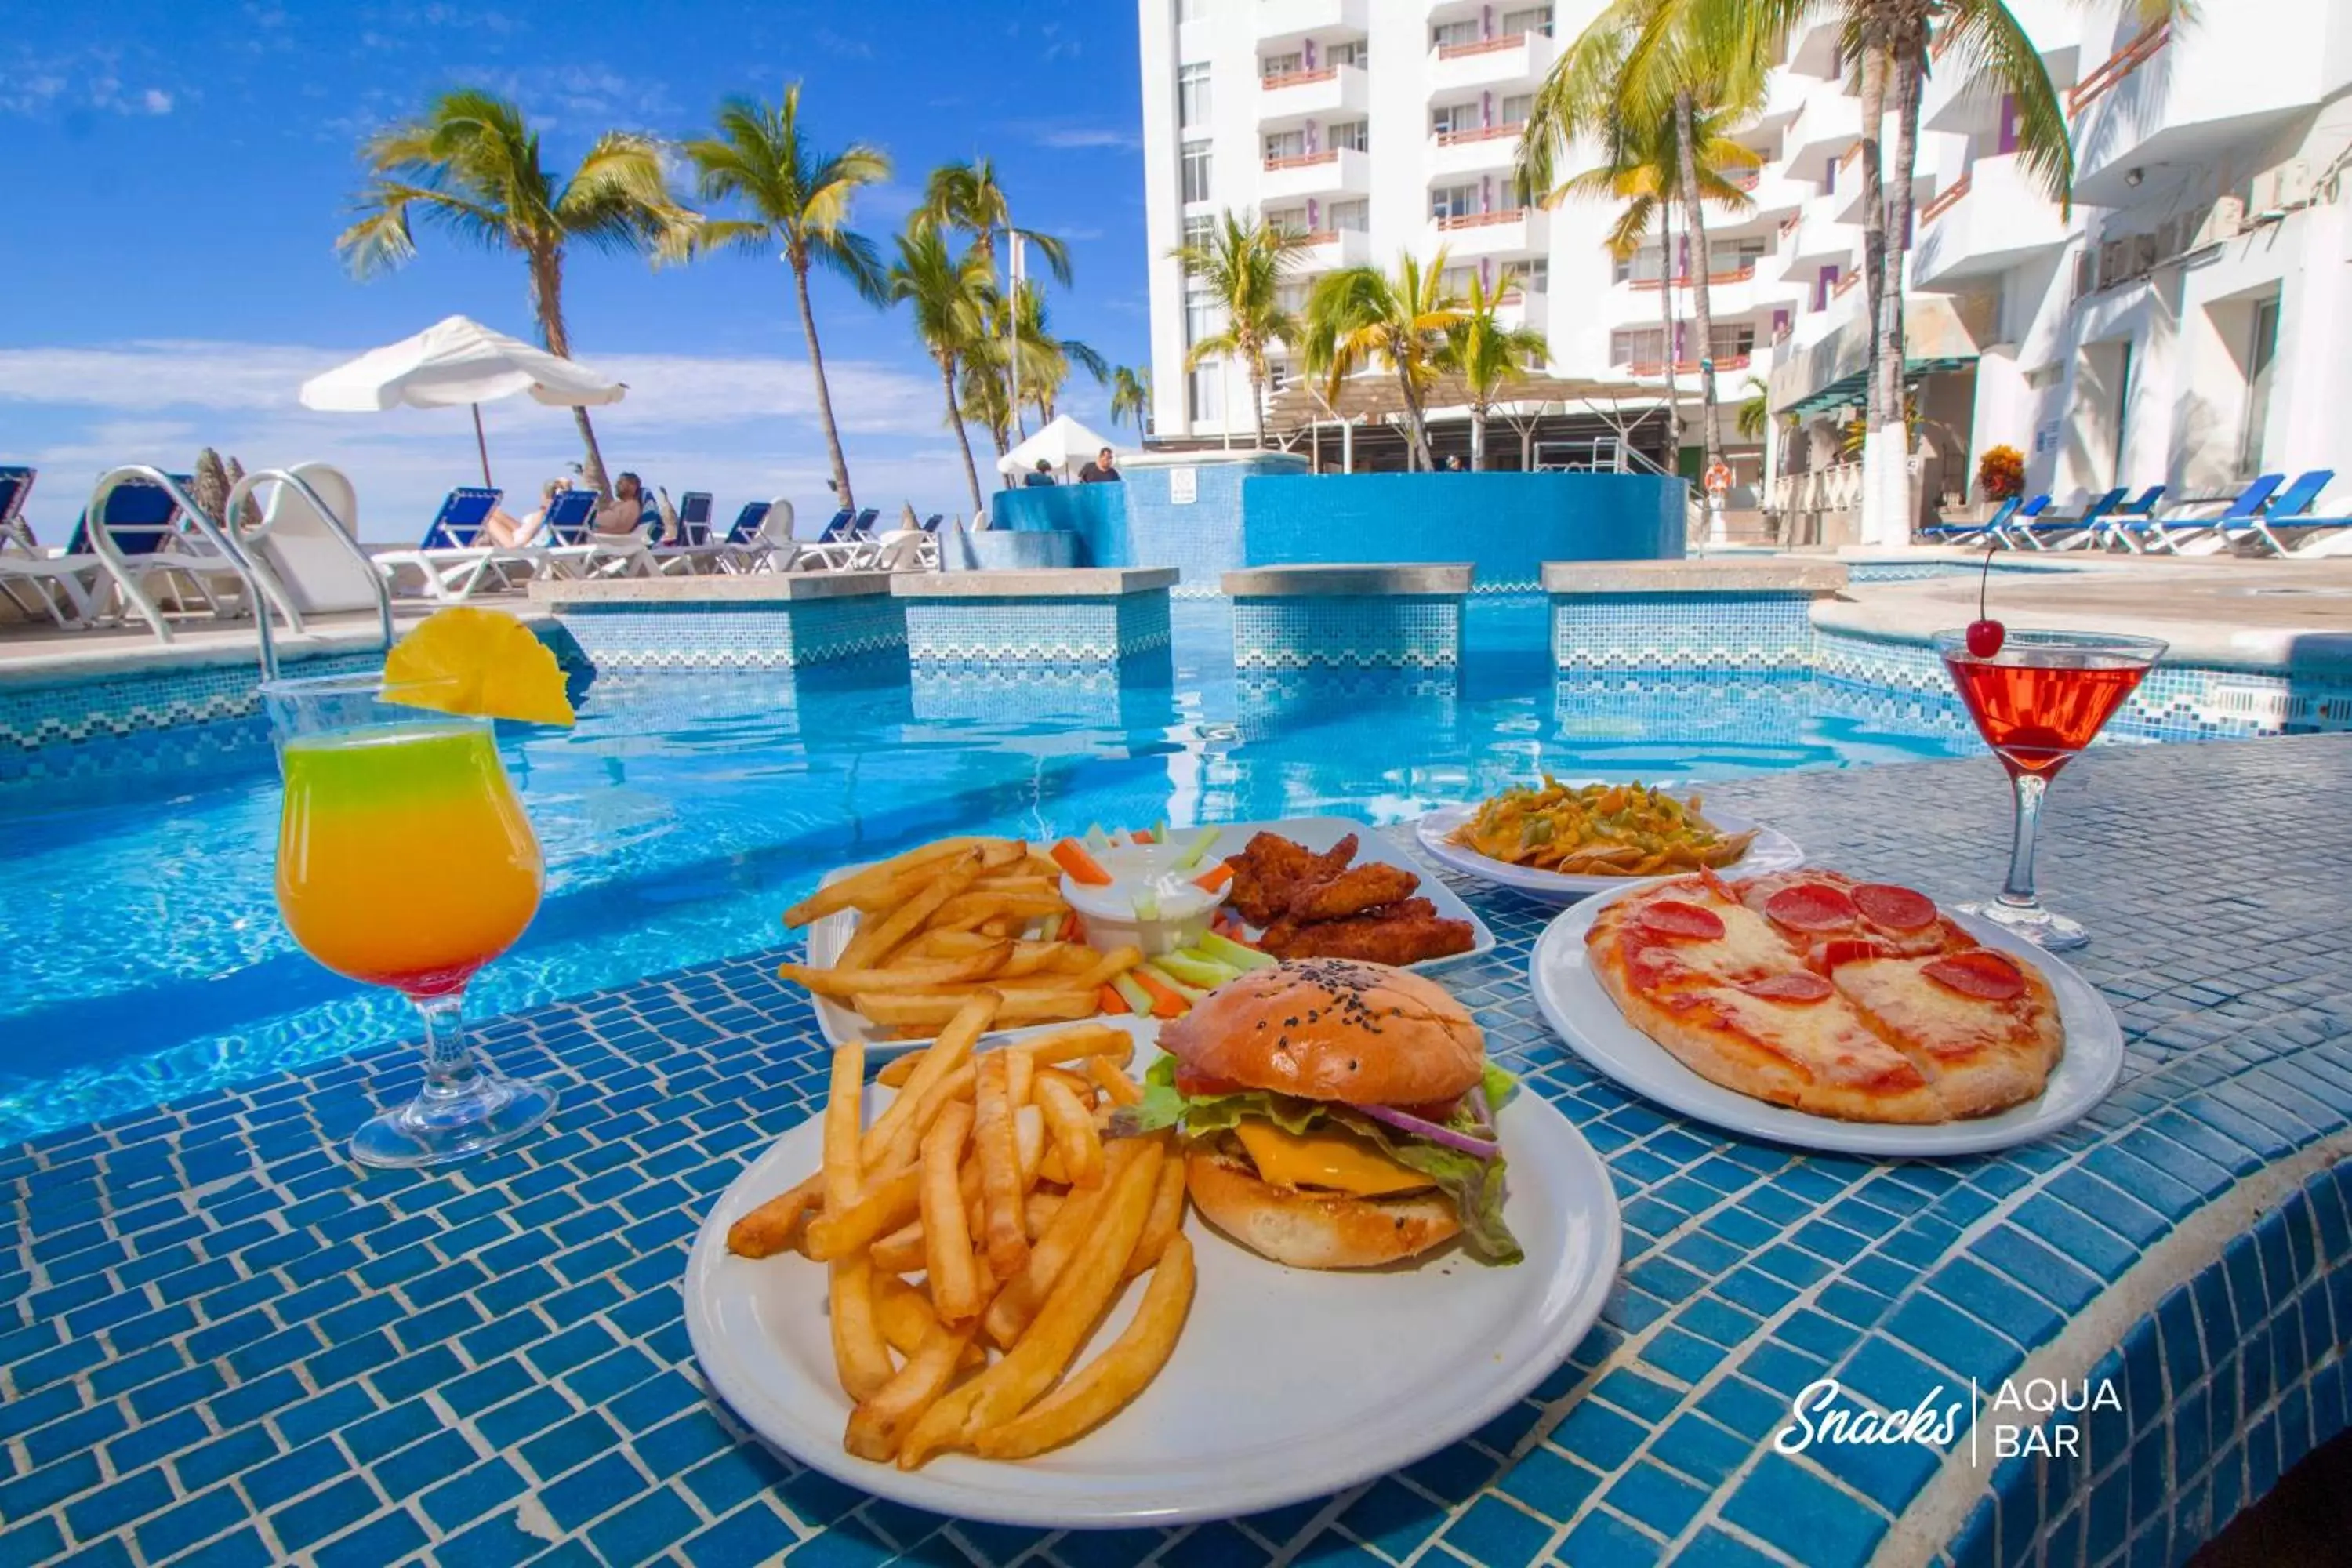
x=1534, y=276
x=1192, y=95
x=1278, y=376
x=1646, y=264
x=1355, y=134
x=1453, y=118
x=1207, y=394
x=1449, y=34
x=1286, y=144
x=1289, y=64
x=1534, y=19
x=1352, y=217
x=1291, y=220
x=1354, y=52
x=1292, y=296
x=1731, y=254
x=1196, y=170
x=1516, y=107
x=1452, y=200
x=1201, y=318
x=1456, y=280
x=1635, y=346
x=1198, y=231
x=1732, y=339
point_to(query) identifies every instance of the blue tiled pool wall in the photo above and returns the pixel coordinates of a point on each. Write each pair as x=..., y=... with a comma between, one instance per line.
x=1127, y=694
x=2235, y=1377
x=1268, y=511
x=2176, y=702
x=717, y=635
x=1747, y=632
x=1768, y=709
x=1922, y=571
x=72, y=712
x=1506, y=525
x=1409, y=631
x=216, y=1334
x=1039, y=631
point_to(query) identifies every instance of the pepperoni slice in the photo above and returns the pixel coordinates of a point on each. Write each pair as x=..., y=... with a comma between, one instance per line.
x=1798, y=986
x=1896, y=909
x=1848, y=949
x=1810, y=907
x=1686, y=922
x=1978, y=972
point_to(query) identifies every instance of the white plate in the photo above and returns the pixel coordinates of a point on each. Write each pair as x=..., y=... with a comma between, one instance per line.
x=1772, y=850
x=1587, y=1018
x=1288, y=1383
x=828, y=936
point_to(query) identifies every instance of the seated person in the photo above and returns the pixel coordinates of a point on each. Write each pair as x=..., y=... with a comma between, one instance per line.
x=1042, y=477
x=625, y=513
x=510, y=532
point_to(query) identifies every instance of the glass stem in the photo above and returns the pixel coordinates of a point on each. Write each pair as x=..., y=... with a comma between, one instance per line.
x=2019, y=891
x=451, y=1071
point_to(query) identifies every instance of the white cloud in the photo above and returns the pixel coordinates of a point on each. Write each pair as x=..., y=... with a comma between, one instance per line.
x=157, y=100
x=38, y=85
x=1076, y=138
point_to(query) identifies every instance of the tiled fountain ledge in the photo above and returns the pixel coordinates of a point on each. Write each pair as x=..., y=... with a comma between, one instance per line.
x=223, y=1343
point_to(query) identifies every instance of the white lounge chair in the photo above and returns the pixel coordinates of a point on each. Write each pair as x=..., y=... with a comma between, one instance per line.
x=314, y=560
x=70, y=590
x=449, y=566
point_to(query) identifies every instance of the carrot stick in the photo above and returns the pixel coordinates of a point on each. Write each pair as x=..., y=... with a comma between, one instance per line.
x=1071, y=929
x=1214, y=878
x=1140, y=835
x=1165, y=1003
x=1071, y=856
x=1112, y=1001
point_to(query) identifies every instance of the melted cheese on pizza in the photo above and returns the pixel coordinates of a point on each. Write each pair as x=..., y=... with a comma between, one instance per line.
x=1935, y=1018
x=1749, y=948
x=1823, y=1038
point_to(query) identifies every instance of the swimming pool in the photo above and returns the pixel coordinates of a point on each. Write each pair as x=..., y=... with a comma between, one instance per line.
x=147, y=960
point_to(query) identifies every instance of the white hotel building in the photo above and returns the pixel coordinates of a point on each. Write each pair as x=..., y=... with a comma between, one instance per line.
x=2189, y=323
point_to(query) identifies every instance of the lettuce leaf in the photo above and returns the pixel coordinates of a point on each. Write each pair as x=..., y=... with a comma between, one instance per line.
x=1475, y=1185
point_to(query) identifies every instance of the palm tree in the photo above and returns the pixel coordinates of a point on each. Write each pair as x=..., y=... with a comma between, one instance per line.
x=1241, y=265
x=950, y=296
x=1360, y=315
x=1045, y=364
x=799, y=201
x=1130, y=398
x=470, y=165
x=1489, y=353
x=1648, y=62
x=1755, y=415
x=1982, y=42
x=1639, y=173
x=967, y=198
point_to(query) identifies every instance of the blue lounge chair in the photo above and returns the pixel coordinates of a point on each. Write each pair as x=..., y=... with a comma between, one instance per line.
x=694, y=518
x=451, y=562
x=575, y=549
x=693, y=548
x=2112, y=529
x=2178, y=535
x=748, y=523
x=2290, y=508
x=1960, y=533
x=2022, y=517
x=2065, y=532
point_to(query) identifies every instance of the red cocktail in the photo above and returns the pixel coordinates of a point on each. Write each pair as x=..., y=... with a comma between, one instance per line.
x=2038, y=698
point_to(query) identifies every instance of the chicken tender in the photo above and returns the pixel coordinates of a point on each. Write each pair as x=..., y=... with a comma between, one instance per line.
x=1408, y=931
x=1271, y=871
x=1353, y=891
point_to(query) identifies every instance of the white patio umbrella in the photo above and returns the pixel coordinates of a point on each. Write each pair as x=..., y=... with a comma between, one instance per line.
x=456, y=360
x=1060, y=443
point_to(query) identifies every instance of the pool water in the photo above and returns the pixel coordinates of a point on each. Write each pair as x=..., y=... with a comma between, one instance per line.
x=147, y=960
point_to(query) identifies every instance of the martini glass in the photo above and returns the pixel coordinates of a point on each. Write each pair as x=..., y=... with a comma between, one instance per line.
x=2038, y=701
x=404, y=859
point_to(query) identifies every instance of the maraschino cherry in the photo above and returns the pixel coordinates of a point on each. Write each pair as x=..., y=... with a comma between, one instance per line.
x=1985, y=634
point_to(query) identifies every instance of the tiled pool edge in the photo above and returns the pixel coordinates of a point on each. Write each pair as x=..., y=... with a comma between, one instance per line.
x=539, y=1287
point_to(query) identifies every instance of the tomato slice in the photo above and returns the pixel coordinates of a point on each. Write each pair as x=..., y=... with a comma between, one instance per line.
x=1812, y=907
x=1797, y=986
x=1686, y=922
x=1978, y=972
x=1203, y=1086
x=1896, y=909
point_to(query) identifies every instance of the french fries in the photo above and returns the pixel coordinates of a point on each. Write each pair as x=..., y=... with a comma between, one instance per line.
x=977, y=1232
x=938, y=925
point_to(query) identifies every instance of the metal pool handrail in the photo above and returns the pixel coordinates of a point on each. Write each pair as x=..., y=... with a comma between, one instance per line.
x=100, y=540
x=343, y=536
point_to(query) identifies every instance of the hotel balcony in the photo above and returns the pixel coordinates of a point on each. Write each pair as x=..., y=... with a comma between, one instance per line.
x=1508, y=60
x=1777, y=194
x=1315, y=94
x=1992, y=219
x=1817, y=240
x=1828, y=124
x=1947, y=101
x=1509, y=232
x=1732, y=292
x=1334, y=171
x=1522, y=306
x=1280, y=21
x=2189, y=103
x=1848, y=207
x=1487, y=150
x=1813, y=47
x=1326, y=250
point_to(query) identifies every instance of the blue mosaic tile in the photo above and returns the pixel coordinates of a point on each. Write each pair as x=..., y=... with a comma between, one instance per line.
x=1400, y=631
x=1733, y=631
x=981, y=633
x=720, y=636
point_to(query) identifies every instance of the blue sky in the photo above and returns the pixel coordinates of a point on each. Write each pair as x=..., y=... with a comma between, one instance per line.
x=177, y=174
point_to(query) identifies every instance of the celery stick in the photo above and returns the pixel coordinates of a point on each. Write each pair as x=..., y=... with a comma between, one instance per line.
x=1191, y=857
x=1097, y=838
x=1225, y=951
x=1205, y=972
x=1147, y=905
x=1135, y=995
x=1189, y=992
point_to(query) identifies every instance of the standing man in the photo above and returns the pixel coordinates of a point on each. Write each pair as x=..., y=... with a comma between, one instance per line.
x=1718, y=481
x=1103, y=470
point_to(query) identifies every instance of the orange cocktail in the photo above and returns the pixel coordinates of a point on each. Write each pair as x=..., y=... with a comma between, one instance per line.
x=404, y=858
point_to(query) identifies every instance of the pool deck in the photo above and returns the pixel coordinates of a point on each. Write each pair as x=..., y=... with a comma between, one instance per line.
x=225, y=1343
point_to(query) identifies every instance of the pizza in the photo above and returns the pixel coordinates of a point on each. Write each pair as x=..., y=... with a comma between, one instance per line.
x=1856, y=1000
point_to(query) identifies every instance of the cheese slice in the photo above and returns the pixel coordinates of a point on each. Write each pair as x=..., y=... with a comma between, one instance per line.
x=1323, y=1157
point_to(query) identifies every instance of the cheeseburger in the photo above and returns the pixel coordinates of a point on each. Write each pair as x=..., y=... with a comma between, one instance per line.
x=1336, y=1115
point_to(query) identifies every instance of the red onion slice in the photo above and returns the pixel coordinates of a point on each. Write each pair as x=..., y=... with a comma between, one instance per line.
x=1461, y=1143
